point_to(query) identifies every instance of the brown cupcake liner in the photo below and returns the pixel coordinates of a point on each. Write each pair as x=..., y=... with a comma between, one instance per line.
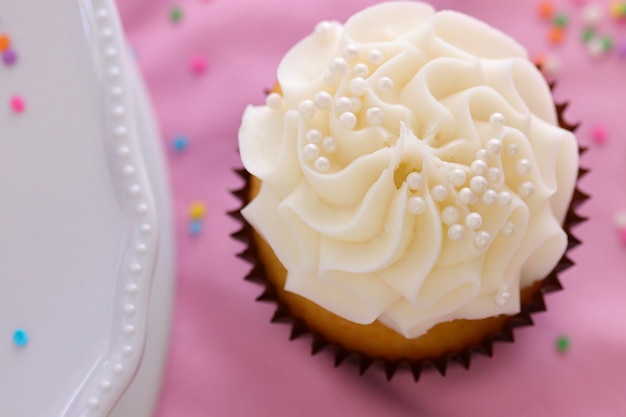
x=319, y=342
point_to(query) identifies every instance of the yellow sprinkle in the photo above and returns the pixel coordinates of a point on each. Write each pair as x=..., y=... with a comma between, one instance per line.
x=617, y=9
x=197, y=210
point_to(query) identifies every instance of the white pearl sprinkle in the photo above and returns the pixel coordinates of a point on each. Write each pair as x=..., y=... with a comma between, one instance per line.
x=457, y=177
x=482, y=240
x=482, y=155
x=141, y=248
x=134, y=268
x=416, y=205
x=145, y=229
x=592, y=14
x=467, y=196
x=490, y=197
x=102, y=13
x=93, y=404
x=322, y=164
x=105, y=386
x=132, y=289
x=324, y=31
x=111, y=52
x=127, y=350
x=107, y=32
x=502, y=298
x=495, y=175
x=118, y=111
x=351, y=52
x=473, y=220
x=619, y=220
x=323, y=100
x=274, y=101
x=306, y=108
x=310, y=151
x=374, y=57
x=347, y=120
x=439, y=192
x=313, y=136
x=505, y=198
x=329, y=144
x=343, y=104
x=494, y=146
x=129, y=170
x=478, y=184
x=512, y=149
x=414, y=181
x=450, y=215
x=117, y=91
x=357, y=86
x=120, y=132
x=527, y=189
x=118, y=369
x=129, y=330
x=508, y=229
x=522, y=166
x=384, y=84
x=497, y=120
x=361, y=70
x=338, y=66
x=456, y=232
x=374, y=116
x=123, y=151
x=142, y=209
x=479, y=167
x=134, y=190
x=130, y=309
x=114, y=72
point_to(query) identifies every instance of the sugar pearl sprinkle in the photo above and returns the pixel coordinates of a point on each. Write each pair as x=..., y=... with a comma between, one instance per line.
x=415, y=181
x=416, y=205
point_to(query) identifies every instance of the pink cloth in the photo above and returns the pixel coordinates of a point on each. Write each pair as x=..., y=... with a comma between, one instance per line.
x=227, y=360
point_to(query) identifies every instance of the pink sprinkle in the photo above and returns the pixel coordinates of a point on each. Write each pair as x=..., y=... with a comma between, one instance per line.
x=18, y=104
x=622, y=235
x=199, y=65
x=599, y=134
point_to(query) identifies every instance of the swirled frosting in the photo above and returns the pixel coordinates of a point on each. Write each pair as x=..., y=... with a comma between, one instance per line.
x=412, y=169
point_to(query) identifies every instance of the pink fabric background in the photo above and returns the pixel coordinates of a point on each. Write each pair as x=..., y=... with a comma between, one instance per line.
x=227, y=360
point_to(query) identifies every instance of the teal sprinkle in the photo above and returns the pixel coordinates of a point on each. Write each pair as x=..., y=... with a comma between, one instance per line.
x=20, y=338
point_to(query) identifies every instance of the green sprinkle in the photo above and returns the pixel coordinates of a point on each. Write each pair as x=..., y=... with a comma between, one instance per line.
x=176, y=14
x=560, y=20
x=587, y=35
x=607, y=43
x=562, y=344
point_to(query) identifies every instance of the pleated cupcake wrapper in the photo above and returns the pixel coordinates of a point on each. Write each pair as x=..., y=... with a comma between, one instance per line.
x=341, y=355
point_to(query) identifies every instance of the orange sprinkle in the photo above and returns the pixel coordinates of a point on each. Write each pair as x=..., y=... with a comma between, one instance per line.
x=545, y=10
x=5, y=42
x=556, y=35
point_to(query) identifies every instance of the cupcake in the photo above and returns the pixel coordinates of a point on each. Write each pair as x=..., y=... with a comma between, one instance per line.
x=410, y=187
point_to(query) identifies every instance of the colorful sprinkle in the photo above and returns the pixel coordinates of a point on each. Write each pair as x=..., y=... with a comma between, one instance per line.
x=618, y=9
x=197, y=210
x=9, y=57
x=560, y=20
x=176, y=14
x=180, y=143
x=556, y=35
x=199, y=64
x=587, y=34
x=562, y=344
x=195, y=227
x=545, y=10
x=20, y=338
x=599, y=134
x=17, y=104
x=5, y=42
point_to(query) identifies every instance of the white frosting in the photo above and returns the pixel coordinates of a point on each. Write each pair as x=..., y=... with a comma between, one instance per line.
x=85, y=248
x=447, y=180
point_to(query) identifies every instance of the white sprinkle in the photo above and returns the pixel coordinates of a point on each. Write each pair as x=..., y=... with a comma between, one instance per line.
x=361, y=70
x=494, y=146
x=127, y=350
x=414, y=181
x=374, y=57
x=313, y=136
x=120, y=131
x=132, y=289
x=619, y=220
x=473, y=220
x=357, y=86
x=508, y=229
x=522, y=166
x=129, y=170
x=307, y=109
x=129, y=330
x=105, y=386
x=482, y=240
x=310, y=151
x=324, y=31
x=467, y=196
x=497, y=120
x=450, y=215
x=479, y=167
x=591, y=14
x=338, y=66
x=457, y=177
x=351, y=52
x=482, y=155
x=495, y=175
x=478, y=184
x=93, y=404
x=439, y=192
x=416, y=205
x=329, y=144
x=384, y=84
x=505, y=198
x=347, y=120
x=322, y=164
x=343, y=104
x=490, y=197
x=118, y=369
x=123, y=151
x=323, y=100
x=374, y=116
x=502, y=298
x=456, y=232
x=274, y=101
x=527, y=189
x=512, y=149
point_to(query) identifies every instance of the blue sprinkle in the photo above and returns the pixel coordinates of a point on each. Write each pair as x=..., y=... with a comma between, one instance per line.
x=20, y=338
x=195, y=227
x=180, y=143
